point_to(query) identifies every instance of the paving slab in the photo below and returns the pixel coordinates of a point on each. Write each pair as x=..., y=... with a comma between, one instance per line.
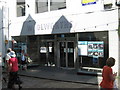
x=68, y=75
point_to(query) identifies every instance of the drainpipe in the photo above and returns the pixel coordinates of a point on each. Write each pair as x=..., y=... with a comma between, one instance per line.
x=8, y=30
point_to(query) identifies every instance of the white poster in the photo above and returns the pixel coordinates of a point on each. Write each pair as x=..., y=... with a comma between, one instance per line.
x=43, y=49
x=82, y=48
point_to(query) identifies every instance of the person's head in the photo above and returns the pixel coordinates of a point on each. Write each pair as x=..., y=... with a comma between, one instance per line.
x=12, y=54
x=110, y=62
x=9, y=50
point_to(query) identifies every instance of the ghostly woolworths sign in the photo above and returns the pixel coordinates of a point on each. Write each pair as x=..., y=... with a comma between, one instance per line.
x=88, y=2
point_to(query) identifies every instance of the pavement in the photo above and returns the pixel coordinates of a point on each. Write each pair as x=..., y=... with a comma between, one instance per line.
x=60, y=74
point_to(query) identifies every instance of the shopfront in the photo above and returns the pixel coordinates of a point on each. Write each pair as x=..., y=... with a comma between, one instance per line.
x=93, y=50
x=66, y=54
x=72, y=50
x=65, y=49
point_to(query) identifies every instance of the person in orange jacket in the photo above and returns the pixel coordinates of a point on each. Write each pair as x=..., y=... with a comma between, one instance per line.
x=108, y=75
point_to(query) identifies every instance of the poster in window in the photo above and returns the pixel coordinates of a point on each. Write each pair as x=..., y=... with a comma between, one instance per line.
x=43, y=49
x=82, y=48
x=96, y=48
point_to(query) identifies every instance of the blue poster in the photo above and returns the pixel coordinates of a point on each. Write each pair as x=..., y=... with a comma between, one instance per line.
x=91, y=48
x=96, y=48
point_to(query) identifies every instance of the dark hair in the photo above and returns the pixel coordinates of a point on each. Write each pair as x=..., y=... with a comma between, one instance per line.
x=110, y=62
x=9, y=50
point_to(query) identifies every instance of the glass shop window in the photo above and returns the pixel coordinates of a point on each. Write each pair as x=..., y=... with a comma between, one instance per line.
x=93, y=49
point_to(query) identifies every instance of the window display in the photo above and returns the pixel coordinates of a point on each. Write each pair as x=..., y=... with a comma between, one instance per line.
x=95, y=48
x=91, y=48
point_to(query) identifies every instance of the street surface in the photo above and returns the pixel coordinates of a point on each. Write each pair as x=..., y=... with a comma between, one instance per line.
x=31, y=82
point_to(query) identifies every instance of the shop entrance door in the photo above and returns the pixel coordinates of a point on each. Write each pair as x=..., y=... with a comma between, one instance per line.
x=47, y=53
x=66, y=54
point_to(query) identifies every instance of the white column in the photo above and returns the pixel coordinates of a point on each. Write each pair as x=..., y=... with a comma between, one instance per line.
x=114, y=48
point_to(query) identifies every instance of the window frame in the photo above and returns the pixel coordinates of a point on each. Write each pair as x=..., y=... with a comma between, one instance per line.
x=49, y=3
x=20, y=8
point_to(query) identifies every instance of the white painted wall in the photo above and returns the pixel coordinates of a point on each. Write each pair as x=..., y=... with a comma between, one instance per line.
x=3, y=27
x=114, y=49
x=75, y=13
x=80, y=22
x=0, y=27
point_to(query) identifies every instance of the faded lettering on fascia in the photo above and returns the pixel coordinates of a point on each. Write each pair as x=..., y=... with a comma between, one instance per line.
x=57, y=25
x=46, y=26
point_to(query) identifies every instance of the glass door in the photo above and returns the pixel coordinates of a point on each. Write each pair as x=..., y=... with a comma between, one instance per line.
x=66, y=54
x=70, y=53
x=63, y=54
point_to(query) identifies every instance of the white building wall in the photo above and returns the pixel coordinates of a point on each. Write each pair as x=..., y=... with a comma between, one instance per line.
x=82, y=18
x=114, y=49
x=3, y=26
x=80, y=22
x=0, y=39
x=12, y=10
x=0, y=28
x=30, y=7
x=76, y=6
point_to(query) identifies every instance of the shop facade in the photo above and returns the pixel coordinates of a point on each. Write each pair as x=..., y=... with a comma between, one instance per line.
x=68, y=50
x=74, y=34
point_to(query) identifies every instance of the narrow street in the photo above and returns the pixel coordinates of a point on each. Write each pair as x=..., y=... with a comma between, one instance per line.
x=30, y=82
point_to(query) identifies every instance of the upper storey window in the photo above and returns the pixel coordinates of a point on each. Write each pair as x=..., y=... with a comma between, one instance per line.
x=20, y=8
x=108, y=4
x=49, y=5
x=41, y=6
x=57, y=4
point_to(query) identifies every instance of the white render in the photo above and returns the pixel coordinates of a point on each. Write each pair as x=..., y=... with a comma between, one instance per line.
x=79, y=16
x=3, y=26
x=114, y=48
